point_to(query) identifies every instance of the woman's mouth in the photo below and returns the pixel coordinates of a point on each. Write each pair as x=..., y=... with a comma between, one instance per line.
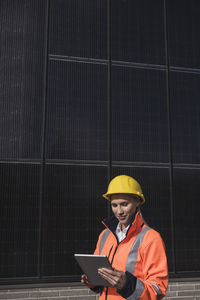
x=121, y=218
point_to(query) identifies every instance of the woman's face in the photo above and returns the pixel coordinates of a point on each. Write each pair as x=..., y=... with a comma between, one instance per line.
x=124, y=207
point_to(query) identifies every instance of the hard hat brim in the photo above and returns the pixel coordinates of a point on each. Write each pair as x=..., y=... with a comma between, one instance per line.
x=140, y=196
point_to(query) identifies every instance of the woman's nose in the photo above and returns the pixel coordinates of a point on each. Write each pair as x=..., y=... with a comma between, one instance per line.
x=120, y=210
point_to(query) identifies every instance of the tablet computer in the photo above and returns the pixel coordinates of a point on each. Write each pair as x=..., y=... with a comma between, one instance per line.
x=90, y=264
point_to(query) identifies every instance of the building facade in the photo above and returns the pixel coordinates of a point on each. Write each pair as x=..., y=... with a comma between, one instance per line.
x=91, y=89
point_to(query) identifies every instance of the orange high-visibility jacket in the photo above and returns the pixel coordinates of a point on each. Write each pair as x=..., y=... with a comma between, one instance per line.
x=141, y=253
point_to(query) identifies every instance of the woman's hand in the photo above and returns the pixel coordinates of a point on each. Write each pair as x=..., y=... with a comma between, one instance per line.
x=117, y=279
x=85, y=281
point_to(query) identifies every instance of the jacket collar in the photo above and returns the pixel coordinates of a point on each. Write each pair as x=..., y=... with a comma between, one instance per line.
x=136, y=224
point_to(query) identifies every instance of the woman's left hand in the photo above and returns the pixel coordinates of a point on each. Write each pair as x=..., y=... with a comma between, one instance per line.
x=117, y=279
x=85, y=281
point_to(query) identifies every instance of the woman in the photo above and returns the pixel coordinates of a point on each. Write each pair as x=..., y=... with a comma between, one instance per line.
x=136, y=251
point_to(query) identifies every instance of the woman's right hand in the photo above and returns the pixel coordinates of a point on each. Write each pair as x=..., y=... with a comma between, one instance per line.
x=85, y=281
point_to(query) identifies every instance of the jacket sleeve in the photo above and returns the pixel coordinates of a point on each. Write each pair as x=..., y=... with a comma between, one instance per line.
x=154, y=283
x=98, y=243
x=97, y=289
x=129, y=286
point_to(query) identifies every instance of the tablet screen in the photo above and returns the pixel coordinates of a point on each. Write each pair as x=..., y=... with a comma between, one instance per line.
x=90, y=264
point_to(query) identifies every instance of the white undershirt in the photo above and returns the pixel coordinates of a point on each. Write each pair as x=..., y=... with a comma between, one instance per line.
x=121, y=234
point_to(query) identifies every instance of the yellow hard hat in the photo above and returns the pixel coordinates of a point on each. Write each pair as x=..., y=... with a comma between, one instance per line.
x=124, y=184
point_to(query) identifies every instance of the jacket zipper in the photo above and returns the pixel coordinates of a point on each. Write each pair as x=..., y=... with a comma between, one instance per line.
x=115, y=250
x=111, y=264
x=106, y=295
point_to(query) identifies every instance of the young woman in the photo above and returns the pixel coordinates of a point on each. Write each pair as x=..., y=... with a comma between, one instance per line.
x=136, y=251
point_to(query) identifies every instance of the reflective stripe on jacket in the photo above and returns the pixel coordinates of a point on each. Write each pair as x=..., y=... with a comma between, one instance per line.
x=142, y=253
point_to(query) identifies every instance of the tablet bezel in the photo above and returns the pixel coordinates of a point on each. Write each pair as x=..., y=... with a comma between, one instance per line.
x=90, y=263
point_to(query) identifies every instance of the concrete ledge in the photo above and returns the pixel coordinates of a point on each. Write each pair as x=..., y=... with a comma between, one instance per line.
x=54, y=293
x=188, y=290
